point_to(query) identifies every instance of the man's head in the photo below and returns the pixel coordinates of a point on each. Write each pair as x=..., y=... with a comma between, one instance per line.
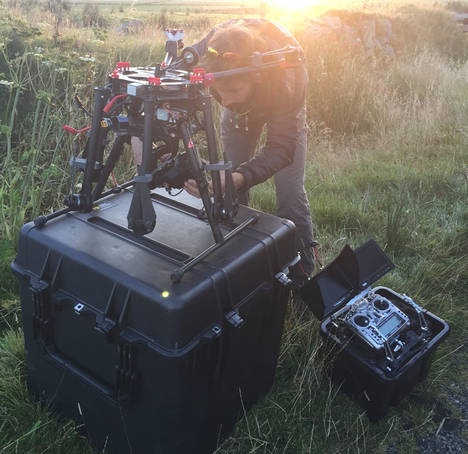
x=236, y=93
x=230, y=47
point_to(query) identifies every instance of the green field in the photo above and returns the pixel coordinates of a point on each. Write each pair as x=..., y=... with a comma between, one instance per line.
x=387, y=159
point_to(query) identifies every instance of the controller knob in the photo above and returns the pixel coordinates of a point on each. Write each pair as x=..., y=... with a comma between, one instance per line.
x=361, y=320
x=381, y=304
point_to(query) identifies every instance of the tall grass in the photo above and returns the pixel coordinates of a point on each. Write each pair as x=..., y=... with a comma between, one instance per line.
x=33, y=167
x=387, y=159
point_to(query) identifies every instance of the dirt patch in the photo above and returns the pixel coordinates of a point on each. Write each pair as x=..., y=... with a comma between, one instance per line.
x=451, y=421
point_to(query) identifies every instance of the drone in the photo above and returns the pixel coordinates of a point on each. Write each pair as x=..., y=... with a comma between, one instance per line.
x=164, y=105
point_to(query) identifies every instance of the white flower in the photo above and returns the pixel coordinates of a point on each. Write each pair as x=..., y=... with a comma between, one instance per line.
x=7, y=83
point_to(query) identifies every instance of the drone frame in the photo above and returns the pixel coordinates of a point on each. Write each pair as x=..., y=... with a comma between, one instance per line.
x=175, y=83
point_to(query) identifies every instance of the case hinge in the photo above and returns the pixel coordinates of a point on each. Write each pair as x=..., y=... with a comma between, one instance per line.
x=42, y=322
x=126, y=375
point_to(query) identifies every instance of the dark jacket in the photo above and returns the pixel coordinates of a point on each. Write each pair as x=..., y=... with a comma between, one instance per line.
x=278, y=104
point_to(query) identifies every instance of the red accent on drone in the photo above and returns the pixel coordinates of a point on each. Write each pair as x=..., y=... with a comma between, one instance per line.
x=123, y=65
x=190, y=144
x=163, y=65
x=115, y=74
x=209, y=79
x=198, y=75
x=154, y=80
x=76, y=131
x=111, y=102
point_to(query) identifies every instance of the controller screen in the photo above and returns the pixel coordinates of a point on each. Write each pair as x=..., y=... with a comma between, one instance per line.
x=390, y=325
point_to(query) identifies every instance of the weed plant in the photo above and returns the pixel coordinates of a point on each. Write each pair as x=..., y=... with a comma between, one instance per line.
x=386, y=160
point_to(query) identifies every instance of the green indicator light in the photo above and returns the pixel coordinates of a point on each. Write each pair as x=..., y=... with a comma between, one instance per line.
x=165, y=294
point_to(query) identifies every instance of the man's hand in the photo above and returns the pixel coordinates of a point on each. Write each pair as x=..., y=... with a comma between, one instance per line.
x=191, y=185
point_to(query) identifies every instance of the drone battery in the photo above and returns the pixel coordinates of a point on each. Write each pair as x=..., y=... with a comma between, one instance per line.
x=145, y=365
x=381, y=342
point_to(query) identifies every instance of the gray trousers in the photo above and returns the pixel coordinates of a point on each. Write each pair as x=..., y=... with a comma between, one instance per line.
x=291, y=199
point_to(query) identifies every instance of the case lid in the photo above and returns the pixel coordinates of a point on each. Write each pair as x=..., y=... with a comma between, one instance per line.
x=96, y=261
x=350, y=273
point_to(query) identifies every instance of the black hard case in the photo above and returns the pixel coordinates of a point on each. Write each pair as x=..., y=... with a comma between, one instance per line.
x=353, y=368
x=145, y=365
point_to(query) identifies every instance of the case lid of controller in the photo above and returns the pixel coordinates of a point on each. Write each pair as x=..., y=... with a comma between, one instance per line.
x=349, y=274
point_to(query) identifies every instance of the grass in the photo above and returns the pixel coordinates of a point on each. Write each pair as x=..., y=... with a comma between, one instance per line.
x=387, y=160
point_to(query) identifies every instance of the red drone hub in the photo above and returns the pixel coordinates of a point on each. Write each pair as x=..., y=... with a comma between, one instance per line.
x=123, y=65
x=154, y=80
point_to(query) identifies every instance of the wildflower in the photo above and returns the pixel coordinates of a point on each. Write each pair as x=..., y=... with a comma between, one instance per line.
x=7, y=83
x=88, y=58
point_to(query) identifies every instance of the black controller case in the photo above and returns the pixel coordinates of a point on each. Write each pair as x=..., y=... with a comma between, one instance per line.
x=355, y=366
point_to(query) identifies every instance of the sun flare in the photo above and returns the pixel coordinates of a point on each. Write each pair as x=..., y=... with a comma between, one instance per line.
x=295, y=4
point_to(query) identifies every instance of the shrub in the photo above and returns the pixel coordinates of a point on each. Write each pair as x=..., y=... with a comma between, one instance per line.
x=91, y=17
x=458, y=7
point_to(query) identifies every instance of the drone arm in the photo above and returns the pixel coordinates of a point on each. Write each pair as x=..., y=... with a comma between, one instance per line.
x=201, y=181
x=100, y=97
x=248, y=69
x=116, y=152
x=213, y=154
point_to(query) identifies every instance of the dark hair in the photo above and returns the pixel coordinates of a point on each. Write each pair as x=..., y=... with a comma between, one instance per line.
x=233, y=44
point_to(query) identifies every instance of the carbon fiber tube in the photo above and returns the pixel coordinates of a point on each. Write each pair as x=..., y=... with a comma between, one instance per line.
x=100, y=98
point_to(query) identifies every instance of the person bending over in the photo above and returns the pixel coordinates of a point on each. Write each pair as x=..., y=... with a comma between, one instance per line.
x=274, y=98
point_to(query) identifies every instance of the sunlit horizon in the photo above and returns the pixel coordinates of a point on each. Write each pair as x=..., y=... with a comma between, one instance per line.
x=319, y=6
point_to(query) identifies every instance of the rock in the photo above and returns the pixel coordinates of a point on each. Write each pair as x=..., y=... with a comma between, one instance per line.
x=370, y=35
x=130, y=27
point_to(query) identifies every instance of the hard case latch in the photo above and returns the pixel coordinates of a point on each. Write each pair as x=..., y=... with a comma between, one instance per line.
x=283, y=276
x=235, y=319
x=105, y=325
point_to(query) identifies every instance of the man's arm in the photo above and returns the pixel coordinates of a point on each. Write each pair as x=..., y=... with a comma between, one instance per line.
x=278, y=152
x=192, y=188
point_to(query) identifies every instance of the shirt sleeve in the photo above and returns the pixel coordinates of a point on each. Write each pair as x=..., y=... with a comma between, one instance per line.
x=283, y=132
